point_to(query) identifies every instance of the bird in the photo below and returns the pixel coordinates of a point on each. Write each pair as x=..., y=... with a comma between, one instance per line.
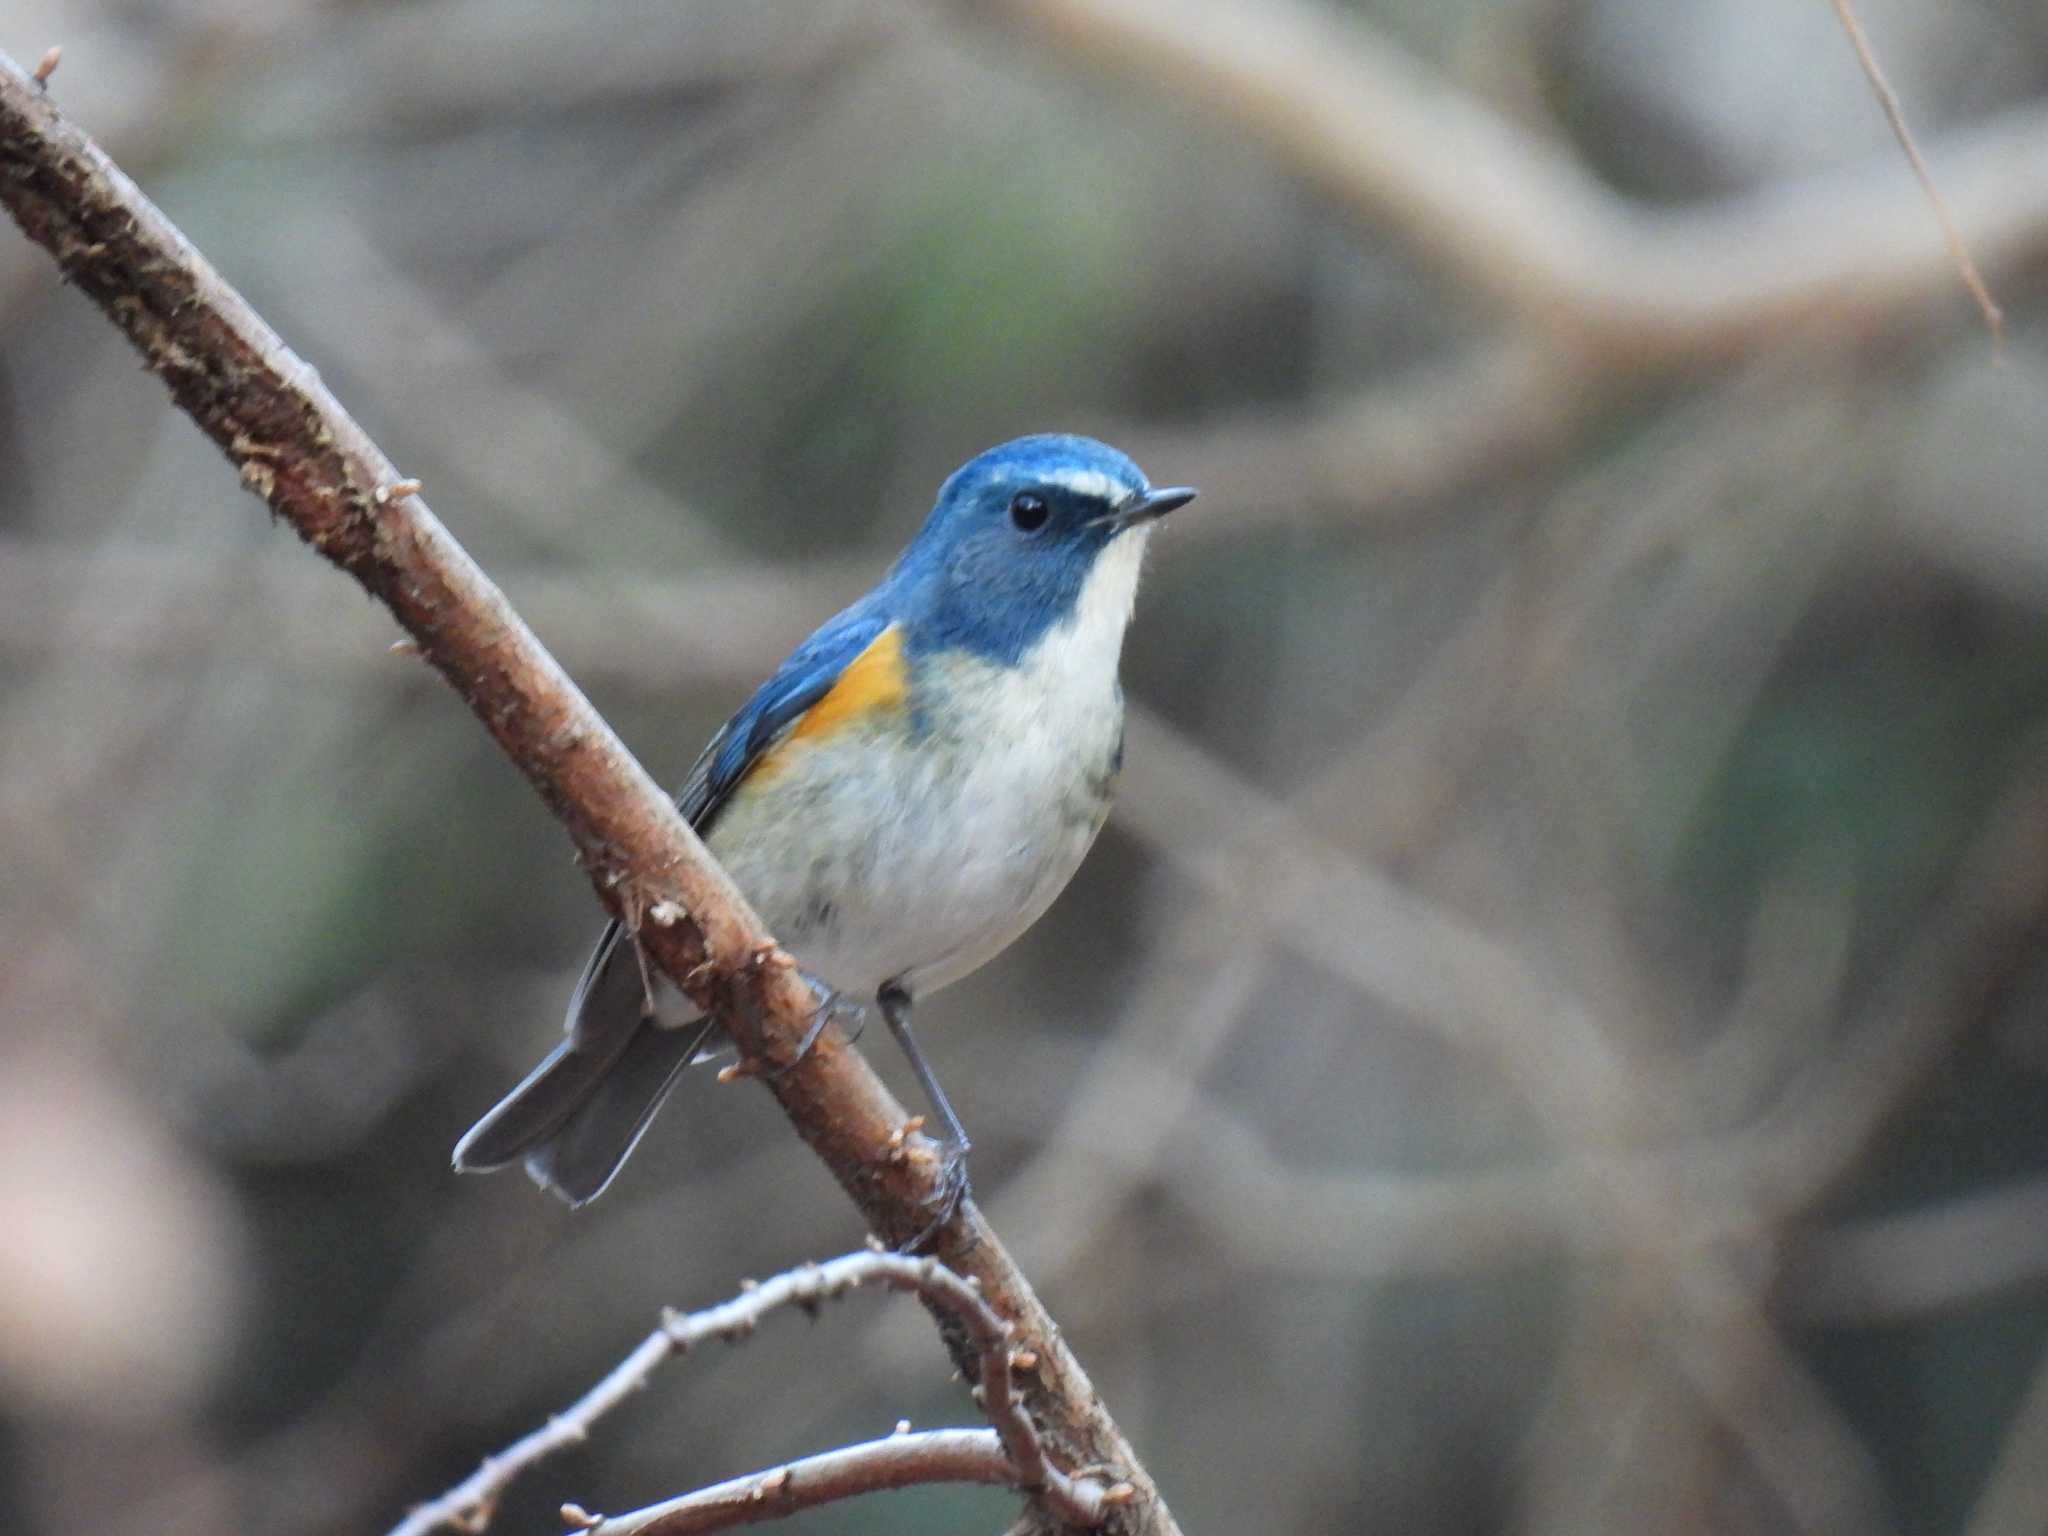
x=902, y=799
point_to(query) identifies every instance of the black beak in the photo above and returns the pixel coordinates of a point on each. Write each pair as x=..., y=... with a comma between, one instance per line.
x=1146, y=506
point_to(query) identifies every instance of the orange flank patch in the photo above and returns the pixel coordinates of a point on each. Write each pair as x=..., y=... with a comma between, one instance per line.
x=875, y=679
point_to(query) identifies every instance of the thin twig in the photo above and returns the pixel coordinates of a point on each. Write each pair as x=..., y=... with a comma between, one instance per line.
x=1020, y=1455
x=317, y=469
x=900, y=1461
x=1895, y=114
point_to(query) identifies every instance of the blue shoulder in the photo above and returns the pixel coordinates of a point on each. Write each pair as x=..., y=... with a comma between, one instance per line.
x=776, y=707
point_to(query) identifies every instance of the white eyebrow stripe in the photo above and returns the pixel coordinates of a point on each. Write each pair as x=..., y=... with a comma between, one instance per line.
x=1090, y=482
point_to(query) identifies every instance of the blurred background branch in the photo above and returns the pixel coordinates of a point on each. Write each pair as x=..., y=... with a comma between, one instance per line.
x=1525, y=221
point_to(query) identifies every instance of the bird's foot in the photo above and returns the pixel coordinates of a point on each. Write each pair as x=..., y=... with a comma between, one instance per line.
x=833, y=1004
x=949, y=1191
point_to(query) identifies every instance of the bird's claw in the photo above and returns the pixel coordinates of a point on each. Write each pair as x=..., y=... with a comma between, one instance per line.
x=833, y=1004
x=949, y=1191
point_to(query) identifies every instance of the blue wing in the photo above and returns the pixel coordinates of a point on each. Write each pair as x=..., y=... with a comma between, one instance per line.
x=776, y=707
x=581, y=1110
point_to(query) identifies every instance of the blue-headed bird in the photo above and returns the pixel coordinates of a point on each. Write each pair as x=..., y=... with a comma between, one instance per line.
x=902, y=799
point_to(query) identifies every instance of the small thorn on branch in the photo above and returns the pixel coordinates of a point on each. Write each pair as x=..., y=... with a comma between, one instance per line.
x=48, y=66
x=397, y=490
x=772, y=957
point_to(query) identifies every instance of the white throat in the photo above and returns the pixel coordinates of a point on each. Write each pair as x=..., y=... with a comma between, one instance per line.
x=1091, y=639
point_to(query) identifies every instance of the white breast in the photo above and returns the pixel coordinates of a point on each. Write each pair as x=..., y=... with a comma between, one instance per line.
x=876, y=857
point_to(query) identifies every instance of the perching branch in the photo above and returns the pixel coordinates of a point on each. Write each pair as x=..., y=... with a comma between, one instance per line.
x=1011, y=1454
x=295, y=447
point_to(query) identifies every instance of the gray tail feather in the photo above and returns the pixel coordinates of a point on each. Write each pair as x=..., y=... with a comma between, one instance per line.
x=581, y=1156
x=540, y=1105
x=582, y=1110
x=578, y=1113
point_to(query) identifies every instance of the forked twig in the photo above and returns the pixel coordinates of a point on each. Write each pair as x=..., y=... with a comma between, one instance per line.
x=1011, y=1453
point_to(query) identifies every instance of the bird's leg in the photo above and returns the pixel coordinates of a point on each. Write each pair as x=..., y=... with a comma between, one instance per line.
x=953, y=1187
x=832, y=1004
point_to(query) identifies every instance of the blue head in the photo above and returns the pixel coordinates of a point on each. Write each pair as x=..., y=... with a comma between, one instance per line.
x=1017, y=532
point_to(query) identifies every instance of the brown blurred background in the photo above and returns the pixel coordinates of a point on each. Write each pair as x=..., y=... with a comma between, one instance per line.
x=1553, y=1040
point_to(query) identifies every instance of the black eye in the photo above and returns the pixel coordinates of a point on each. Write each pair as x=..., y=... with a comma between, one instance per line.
x=1028, y=511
